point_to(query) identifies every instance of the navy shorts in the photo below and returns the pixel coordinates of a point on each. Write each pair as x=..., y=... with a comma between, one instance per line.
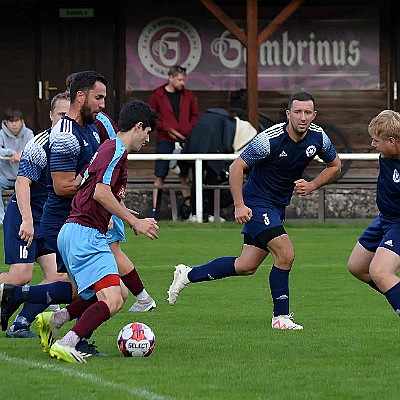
x=50, y=233
x=15, y=250
x=383, y=232
x=162, y=166
x=265, y=224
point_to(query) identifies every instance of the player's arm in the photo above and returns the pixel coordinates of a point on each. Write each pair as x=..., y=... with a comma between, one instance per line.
x=236, y=174
x=23, y=193
x=66, y=183
x=332, y=170
x=104, y=196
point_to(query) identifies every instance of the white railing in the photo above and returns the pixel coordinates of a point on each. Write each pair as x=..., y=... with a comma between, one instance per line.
x=198, y=159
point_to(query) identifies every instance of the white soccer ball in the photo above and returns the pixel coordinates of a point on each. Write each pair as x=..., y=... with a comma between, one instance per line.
x=136, y=340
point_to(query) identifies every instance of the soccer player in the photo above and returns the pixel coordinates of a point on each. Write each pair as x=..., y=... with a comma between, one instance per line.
x=107, y=130
x=278, y=157
x=73, y=141
x=23, y=239
x=375, y=258
x=82, y=240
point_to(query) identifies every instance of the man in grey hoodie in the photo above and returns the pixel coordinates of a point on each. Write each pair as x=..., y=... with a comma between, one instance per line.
x=14, y=135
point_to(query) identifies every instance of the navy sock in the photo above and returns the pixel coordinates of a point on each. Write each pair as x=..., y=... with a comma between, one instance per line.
x=51, y=293
x=28, y=314
x=279, y=284
x=393, y=297
x=218, y=268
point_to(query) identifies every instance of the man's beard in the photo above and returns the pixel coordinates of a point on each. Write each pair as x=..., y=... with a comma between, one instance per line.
x=87, y=116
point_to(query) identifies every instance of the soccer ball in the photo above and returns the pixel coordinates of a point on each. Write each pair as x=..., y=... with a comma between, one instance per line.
x=136, y=340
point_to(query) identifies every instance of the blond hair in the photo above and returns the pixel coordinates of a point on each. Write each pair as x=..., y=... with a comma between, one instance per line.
x=385, y=125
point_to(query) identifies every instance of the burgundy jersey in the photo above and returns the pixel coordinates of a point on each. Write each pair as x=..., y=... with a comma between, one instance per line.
x=109, y=166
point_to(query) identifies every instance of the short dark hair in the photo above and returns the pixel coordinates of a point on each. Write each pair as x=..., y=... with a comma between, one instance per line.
x=136, y=111
x=60, y=96
x=69, y=79
x=12, y=113
x=84, y=81
x=300, y=96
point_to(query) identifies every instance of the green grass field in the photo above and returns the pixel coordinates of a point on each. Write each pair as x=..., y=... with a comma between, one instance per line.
x=216, y=341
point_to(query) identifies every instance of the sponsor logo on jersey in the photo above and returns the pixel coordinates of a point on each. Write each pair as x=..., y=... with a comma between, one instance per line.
x=121, y=192
x=283, y=154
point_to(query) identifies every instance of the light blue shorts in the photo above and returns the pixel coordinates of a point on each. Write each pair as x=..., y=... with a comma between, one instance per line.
x=117, y=233
x=86, y=255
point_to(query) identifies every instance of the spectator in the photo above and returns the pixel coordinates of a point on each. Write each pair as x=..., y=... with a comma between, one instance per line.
x=177, y=114
x=14, y=135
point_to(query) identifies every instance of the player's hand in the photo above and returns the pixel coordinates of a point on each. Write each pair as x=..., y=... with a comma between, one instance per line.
x=147, y=227
x=243, y=214
x=303, y=187
x=26, y=232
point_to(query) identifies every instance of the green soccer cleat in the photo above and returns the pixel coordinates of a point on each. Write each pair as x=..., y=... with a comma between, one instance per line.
x=47, y=330
x=66, y=353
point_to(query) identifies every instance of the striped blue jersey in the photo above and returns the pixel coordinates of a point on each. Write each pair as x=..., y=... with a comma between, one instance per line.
x=33, y=165
x=277, y=162
x=71, y=148
x=388, y=187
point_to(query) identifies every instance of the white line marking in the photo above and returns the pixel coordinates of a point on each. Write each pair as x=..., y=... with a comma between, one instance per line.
x=145, y=394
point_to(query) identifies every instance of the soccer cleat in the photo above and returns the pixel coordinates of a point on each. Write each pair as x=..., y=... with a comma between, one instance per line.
x=89, y=349
x=66, y=353
x=47, y=330
x=8, y=305
x=23, y=333
x=285, y=322
x=179, y=283
x=143, y=306
x=53, y=308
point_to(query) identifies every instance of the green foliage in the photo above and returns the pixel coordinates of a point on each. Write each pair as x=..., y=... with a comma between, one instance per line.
x=216, y=341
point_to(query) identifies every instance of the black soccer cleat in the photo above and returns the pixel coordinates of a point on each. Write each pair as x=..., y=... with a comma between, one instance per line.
x=8, y=305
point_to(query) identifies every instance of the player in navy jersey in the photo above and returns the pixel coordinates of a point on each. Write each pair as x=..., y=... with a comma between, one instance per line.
x=108, y=129
x=23, y=238
x=72, y=143
x=278, y=157
x=375, y=258
x=82, y=240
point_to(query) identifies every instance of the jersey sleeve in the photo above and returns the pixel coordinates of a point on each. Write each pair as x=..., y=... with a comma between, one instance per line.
x=33, y=161
x=64, y=151
x=328, y=152
x=258, y=149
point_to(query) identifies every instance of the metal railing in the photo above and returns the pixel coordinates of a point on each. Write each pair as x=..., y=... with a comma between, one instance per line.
x=198, y=159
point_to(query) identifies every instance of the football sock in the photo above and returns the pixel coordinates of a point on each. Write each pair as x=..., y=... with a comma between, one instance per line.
x=279, y=284
x=79, y=306
x=393, y=297
x=218, y=268
x=91, y=319
x=373, y=285
x=133, y=282
x=51, y=293
x=28, y=314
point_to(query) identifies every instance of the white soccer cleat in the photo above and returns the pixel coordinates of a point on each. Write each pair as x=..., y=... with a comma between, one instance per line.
x=285, y=322
x=143, y=305
x=179, y=283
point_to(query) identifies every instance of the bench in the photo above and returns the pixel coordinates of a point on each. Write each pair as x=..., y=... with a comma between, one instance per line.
x=173, y=188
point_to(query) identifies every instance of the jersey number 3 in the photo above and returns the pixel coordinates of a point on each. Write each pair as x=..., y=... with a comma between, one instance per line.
x=266, y=219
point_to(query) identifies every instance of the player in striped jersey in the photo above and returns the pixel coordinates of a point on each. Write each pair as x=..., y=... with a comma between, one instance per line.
x=23, y=237
x=278, y=157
